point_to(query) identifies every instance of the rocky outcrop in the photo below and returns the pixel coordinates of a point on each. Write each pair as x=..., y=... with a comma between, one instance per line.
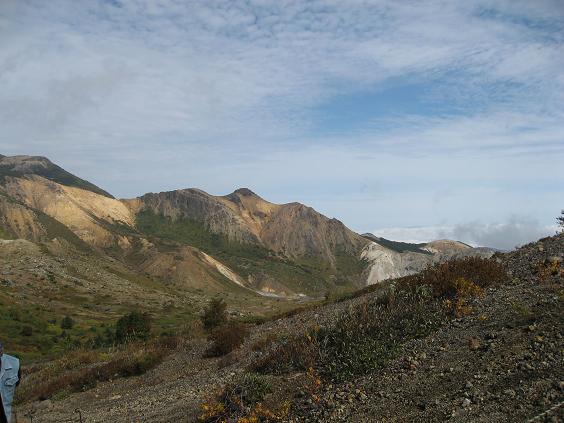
x=214, y=213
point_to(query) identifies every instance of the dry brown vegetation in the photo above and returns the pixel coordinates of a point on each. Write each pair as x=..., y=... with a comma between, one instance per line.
x=82, y=369
x=227, y=338
x=366, y=337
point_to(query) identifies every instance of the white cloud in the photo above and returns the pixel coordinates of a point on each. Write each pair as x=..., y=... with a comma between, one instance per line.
x=155, y=95
x=517, y=231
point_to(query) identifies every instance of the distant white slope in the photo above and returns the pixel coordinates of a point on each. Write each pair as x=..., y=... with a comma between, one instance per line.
x=389, y=259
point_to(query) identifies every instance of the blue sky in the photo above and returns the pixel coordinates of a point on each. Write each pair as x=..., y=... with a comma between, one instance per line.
x=409, y=119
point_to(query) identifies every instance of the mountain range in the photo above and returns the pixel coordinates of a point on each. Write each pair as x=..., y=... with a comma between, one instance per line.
x=193, y=239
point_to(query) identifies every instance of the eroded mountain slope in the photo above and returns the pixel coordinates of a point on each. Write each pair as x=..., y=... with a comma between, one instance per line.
x=389, y=259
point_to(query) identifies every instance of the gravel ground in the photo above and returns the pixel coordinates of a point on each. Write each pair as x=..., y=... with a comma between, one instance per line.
x=501, y=363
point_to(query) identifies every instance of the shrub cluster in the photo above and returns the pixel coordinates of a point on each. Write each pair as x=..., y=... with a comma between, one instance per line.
x=443, y=278
x=215, y=314
x=227, y=338
x=367, y=336
x=225, y=335
x=133, y=326
x=242, y=402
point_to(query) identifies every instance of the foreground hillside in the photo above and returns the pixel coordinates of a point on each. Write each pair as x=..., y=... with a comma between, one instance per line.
x=491, y=350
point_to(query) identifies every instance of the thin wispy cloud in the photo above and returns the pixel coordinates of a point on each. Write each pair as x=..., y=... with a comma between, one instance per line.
x=143, y=95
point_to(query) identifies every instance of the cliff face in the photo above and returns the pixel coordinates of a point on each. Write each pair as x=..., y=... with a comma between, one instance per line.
x=299, y=230
x=214, y=213
x=291, y=229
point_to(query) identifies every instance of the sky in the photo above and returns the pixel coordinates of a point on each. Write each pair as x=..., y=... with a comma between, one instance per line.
x=411, y=120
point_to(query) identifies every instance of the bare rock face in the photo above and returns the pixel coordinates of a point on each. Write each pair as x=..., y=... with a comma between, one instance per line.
x=299, y=230
x=389, y=259
x=242, y=216
x=212, y=212
x=20, y=221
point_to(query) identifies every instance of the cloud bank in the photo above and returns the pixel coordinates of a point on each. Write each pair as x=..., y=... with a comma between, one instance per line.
x=517, y=231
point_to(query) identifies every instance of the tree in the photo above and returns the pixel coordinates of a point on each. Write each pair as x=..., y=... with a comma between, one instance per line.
x=67, y=322
x=215, y=314
x=560, y=220
x=135, y=325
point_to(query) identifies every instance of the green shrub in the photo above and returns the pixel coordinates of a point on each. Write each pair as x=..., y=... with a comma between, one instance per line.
x=227, y=338
x=133, y=326
x=67, y=322
x=26, y=331
x=215, y=314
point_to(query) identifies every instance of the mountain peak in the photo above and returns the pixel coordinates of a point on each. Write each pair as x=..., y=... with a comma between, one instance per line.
x=245, y=192
x=243, y=195
x=25, y=164
x=18, y=166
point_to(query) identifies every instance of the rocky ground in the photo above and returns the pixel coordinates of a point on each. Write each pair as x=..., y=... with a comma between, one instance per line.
x=503, y=362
